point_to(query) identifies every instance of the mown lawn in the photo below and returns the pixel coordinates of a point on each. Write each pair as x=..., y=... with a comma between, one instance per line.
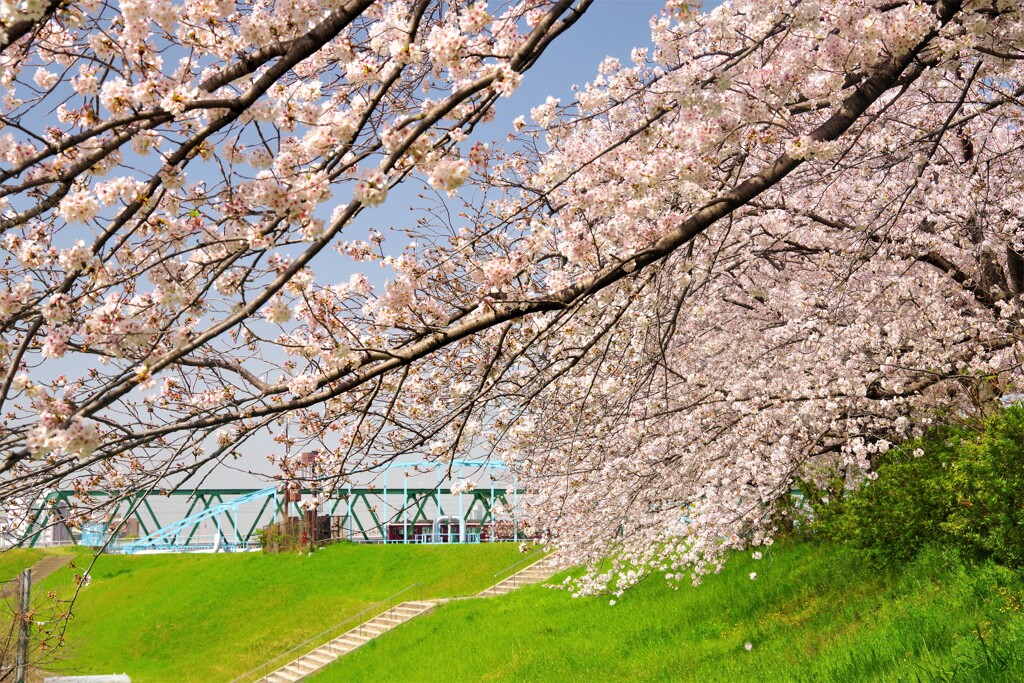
x=213, y=617
x=814, y=613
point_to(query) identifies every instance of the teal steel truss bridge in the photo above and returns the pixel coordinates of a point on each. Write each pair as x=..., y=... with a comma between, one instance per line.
x=230, y=519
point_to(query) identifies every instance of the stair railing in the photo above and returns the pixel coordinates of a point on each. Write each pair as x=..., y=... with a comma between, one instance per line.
x=392, y=603
x=282, y=659
x=534, y=557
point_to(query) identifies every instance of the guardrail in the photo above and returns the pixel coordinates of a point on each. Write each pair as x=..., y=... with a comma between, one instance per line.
x=204, y=543
x=280, y=660
x=531, y=558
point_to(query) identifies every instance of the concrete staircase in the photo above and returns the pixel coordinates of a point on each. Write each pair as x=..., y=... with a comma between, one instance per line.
x=40, y=570
x=48, y=565
x=533, y=573
x=351, y=640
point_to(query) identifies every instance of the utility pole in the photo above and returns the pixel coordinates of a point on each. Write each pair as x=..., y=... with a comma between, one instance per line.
x=21, y=657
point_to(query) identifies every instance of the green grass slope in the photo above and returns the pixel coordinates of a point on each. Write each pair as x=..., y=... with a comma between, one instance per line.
x=14, y=560
x=213, y=617
x=814, y=613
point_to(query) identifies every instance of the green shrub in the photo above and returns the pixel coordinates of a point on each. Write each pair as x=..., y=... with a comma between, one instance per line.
x=987, y=483
x=903, y=509
x=960, y=487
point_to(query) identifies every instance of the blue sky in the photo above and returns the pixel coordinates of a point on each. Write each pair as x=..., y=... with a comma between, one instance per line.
x=609, y=28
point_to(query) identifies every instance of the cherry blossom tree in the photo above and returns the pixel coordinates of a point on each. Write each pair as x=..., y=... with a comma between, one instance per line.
x=813, y=211
x=782, y=240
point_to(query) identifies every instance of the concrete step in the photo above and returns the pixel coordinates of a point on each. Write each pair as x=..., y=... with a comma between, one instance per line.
x=308, y=665
x=529, y=578
x=347, y=640
x=373, y=630
x=350, y=640
x=341, y=648
x=321, y=656
x=277, y=677
x=394, y=621
x=302, y=666
x=353, y=640
x=48, y=565
x=332, y=649
x=344, y=649
x=373, y=623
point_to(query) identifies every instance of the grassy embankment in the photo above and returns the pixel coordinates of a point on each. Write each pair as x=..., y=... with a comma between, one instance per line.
x=13, y=561
x=212, y=617
x=814, y=613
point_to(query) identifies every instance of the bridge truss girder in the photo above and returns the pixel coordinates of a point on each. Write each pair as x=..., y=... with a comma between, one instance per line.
x=365, y=512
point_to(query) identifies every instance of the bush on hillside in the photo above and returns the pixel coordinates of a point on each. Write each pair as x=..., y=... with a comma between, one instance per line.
x=987, y=483
x=957, y=487
x=903, y=509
